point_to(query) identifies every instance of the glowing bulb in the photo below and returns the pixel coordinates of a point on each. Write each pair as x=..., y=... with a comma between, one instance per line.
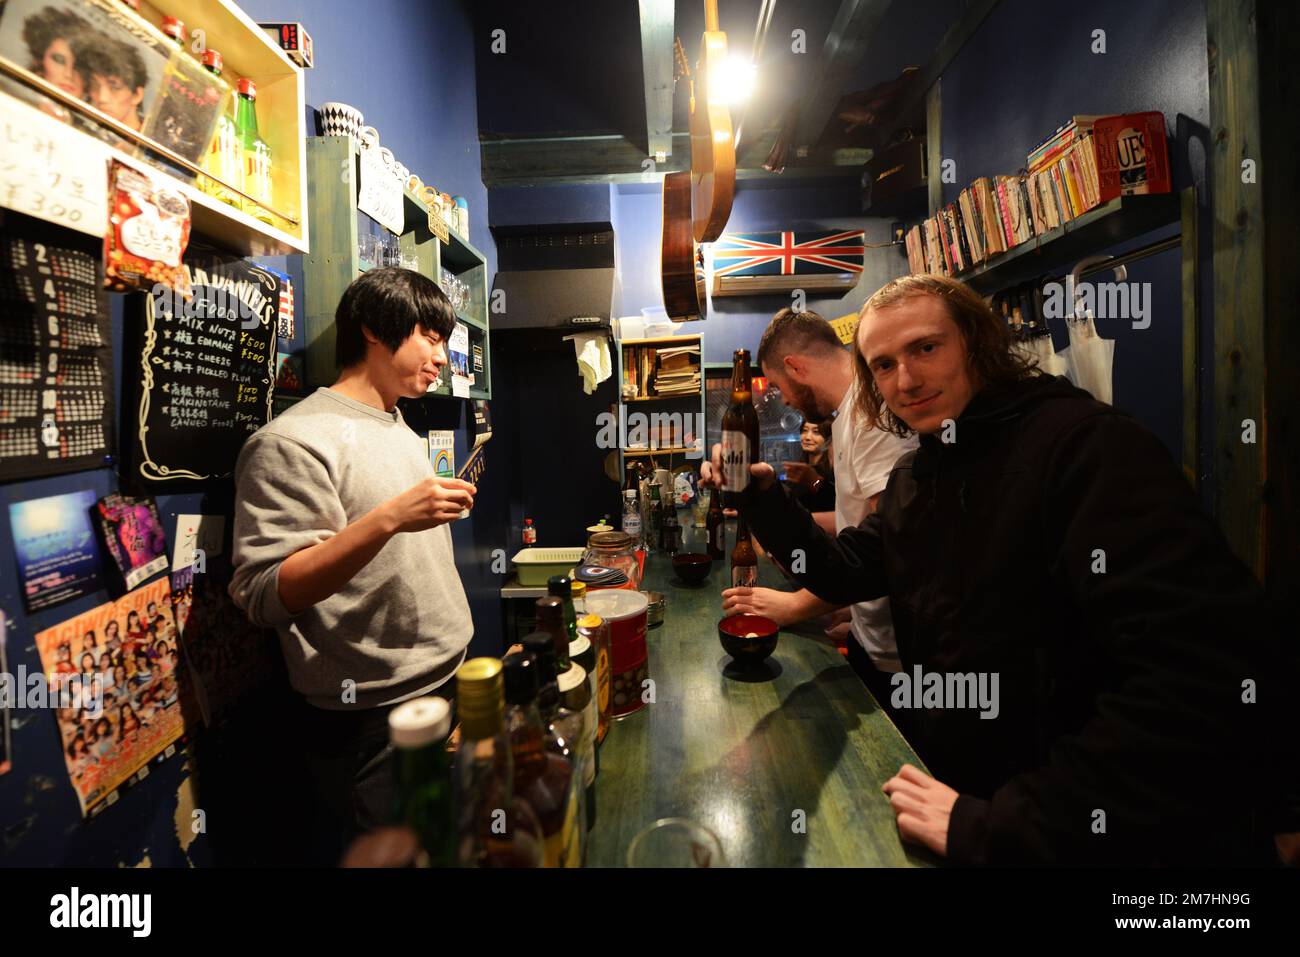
x=732, y=81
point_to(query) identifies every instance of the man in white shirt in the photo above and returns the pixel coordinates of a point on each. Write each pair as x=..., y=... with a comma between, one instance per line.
x=802, y=356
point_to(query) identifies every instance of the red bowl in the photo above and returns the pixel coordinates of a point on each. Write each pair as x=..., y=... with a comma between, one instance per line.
x=749, y=639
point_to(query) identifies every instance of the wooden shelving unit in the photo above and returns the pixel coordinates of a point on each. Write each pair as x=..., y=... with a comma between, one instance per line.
x=332, y=176
x=248, y=53
x=688, y=404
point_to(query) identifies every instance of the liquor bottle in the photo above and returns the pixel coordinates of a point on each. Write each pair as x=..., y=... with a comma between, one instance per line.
x=418, y=732
x=744, y=560
x=550, y=620
x=224, y=159
x=550, y=775
x=670, y=532
x=632, y=516
x=583, y=652
x=739, y=430
x=717, y=528
x=573, y=725
x=530, y=533
x=561, y=587
x=484, y=778
x=596, y=631
x=257, y=155
x=654, y=527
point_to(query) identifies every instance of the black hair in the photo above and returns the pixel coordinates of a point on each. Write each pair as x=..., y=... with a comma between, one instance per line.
x=47, y=25
x=113, y=57
x=390, y=302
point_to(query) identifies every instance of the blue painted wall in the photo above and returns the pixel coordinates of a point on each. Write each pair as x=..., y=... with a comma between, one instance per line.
x=1025, y=72
x=410, y=69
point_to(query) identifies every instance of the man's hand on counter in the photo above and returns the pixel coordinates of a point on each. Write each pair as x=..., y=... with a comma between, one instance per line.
x=922, y=807
x=711, y=472
x=433, y=502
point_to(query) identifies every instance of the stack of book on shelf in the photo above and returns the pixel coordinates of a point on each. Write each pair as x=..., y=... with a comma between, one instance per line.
x=679, y=371
x=1085, y=163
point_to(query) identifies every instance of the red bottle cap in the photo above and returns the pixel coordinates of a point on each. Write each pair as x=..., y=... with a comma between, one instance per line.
x=174, y=28
x=213, y=59
x=246, y=87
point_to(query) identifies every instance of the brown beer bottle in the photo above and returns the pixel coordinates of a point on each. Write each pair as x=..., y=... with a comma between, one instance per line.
x=744, y=560
x=717, y=527
x=739, y=430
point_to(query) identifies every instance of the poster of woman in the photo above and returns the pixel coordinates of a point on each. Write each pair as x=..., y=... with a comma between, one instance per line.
x=132, y=647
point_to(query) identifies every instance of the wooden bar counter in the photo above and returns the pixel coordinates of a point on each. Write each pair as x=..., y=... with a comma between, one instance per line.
x=742, y=754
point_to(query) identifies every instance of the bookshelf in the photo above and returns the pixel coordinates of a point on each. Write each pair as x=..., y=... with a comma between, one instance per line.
x=1123, y=218
x=681, y=412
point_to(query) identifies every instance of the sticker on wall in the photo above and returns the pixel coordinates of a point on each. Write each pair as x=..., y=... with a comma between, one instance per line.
x=54, y=544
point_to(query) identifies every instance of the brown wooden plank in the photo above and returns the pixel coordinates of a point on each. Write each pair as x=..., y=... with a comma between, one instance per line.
x=1238, y=276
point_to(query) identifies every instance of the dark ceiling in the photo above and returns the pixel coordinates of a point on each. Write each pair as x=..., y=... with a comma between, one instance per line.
x=579, y=72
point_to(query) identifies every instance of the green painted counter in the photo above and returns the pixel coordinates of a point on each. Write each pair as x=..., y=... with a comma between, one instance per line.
x=743, y=756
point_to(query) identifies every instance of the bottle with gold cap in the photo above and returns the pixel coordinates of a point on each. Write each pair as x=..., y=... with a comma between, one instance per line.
x=495, y=828
x=224, y=159
x=578, y=595
x=418, y=731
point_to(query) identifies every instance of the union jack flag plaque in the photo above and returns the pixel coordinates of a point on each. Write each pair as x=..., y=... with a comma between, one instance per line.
x=817, y=260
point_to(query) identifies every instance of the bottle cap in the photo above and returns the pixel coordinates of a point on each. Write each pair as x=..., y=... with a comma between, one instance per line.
x=419, y=723
x=590, y=621
x=542, y=646
x=478, y=693
x=173, y=27
x=577, y=589
x=520, y=670
x=247, y=88
x=561, y=586
x=212, y=59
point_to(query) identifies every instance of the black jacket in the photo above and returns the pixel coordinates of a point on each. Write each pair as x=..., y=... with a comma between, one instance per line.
x=1056, y=544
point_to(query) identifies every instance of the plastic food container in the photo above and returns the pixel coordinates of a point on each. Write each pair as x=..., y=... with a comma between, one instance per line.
x=535, y=565
x=625, y=612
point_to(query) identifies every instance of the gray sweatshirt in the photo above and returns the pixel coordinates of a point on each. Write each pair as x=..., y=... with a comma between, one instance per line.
x=400, y=627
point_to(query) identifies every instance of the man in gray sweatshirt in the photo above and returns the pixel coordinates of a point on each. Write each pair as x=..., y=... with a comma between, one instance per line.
x=341, y=543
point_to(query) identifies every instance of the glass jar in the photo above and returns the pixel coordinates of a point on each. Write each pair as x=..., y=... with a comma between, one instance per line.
x=614, y=550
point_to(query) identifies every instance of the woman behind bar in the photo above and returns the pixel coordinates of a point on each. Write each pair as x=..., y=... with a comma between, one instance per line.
x=811, y=480
x=1044, y=545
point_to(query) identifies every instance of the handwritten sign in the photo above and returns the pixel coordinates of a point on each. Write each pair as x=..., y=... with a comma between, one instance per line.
x=437, y=225
x=205, y=369
x=50, y=171
x=379, y=193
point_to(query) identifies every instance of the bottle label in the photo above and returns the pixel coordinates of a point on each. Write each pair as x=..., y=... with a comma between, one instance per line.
x=530, y=536
x=632, y=524
x=744, y=576
x=735, y=459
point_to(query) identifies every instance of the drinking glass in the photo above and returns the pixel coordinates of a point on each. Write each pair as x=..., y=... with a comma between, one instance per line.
x=675, y=842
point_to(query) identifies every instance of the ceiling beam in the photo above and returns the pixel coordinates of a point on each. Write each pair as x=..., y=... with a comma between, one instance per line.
x=846, y=43
x=657, y=69
x=954, y=38
x=613, y=158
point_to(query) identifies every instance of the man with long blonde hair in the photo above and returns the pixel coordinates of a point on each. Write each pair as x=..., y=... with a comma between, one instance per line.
x=1045, y=547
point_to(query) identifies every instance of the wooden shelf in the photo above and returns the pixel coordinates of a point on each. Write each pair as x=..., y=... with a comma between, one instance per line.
x=665, y=398
x=1125, y=217
x=333, y=262
x=680, y=451
x=682, y=340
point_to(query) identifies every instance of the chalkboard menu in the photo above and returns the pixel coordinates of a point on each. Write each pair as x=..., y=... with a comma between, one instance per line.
x=56, y=390
x=205, y=370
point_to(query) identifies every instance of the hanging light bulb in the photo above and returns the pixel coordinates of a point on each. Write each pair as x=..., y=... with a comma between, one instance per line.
x=732, y=81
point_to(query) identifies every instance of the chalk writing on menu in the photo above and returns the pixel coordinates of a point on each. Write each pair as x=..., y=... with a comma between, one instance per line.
x=207, y=367
x=49, y=171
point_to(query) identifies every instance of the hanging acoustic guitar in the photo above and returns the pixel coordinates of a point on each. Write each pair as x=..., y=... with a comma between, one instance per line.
x=713, y=143
x=697, y=204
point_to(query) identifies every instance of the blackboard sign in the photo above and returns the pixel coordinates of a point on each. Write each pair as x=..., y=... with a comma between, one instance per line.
x=206, y=368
